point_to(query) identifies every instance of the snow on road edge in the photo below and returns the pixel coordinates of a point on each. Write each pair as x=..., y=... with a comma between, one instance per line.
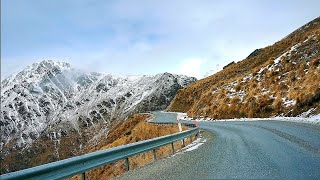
x=192, y=146
x=312, y=119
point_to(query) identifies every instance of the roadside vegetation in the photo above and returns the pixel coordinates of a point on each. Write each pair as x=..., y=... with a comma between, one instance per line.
x=133, y=130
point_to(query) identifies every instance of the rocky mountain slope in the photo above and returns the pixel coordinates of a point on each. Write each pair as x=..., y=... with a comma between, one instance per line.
x=278, y=80
x=50, y=111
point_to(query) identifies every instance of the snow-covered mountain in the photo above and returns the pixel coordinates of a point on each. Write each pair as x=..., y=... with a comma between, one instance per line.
x=51, y=100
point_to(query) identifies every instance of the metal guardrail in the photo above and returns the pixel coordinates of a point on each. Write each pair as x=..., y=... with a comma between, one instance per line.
x=192, y=125
x=80, y=164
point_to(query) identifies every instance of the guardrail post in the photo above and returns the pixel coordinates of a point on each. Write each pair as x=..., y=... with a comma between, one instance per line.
x=84, y=176
x=127, y=164
x=154, y=154
x=172, y=148
x=198, y=133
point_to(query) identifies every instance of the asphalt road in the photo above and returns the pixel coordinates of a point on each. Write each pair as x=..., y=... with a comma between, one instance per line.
x=243, y=150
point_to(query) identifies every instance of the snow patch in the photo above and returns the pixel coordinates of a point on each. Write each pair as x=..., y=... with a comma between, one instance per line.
x=277, y=61
x=192, y=146
x=195, y=145
x=313, y=120
x=305, y=117
x=289, y=103
x=182, y=116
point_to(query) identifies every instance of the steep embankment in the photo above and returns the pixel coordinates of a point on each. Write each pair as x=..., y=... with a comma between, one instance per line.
x=133, y=130
x=281, y=79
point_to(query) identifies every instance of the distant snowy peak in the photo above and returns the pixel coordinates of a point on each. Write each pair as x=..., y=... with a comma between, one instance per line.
x=182, y=80
x=47, y=69
x=36, y=72
x=44, y=68
x=49, y=64
x=50, y=97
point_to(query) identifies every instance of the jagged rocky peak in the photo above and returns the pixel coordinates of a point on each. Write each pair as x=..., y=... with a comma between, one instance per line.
x=48, y=66
x=51, y=65
x=183, y=80
x=37, y=71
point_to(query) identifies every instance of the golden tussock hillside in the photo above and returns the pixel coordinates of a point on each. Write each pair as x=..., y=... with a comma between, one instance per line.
x=133, y=130
x=281, y=79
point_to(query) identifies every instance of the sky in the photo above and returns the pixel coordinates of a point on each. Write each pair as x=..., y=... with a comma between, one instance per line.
x=135, y=37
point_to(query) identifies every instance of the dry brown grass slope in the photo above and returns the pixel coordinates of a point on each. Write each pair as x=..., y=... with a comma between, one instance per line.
x=279, y=79
x=133, y=130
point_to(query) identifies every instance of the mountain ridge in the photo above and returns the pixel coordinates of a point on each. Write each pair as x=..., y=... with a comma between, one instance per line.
x=269, y=82
x=49, y=102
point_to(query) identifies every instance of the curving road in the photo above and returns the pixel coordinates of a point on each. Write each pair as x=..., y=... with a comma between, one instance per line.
x=243, y=150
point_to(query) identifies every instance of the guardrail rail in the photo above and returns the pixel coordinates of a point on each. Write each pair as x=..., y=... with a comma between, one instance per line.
x=80, y=164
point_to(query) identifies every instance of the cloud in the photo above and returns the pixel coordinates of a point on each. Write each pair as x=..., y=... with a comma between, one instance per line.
x=144, y=37
x=191, y=67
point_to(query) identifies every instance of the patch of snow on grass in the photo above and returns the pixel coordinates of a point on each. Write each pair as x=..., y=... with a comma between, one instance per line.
x=249, y=77
x=261, y=70
x=307, y=113
x=288, y=103
x=265, y=91
x=276, y=62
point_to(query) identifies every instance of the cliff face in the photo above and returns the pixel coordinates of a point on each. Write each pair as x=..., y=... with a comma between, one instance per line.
x=50, y=111
x=281, y=79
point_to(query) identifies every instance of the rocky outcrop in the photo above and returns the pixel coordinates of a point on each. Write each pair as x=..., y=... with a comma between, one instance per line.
x=255, y=53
